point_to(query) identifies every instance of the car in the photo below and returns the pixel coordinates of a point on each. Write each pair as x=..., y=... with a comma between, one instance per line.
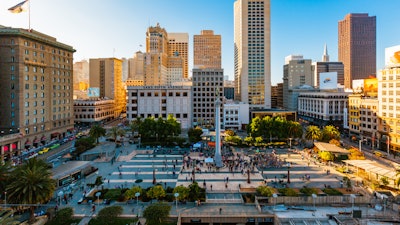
x=44, y=150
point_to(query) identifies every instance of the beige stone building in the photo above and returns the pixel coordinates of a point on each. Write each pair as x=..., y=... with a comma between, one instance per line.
x=106, y=74
x=90, y=111
x=36, y=90
x=252, y=53
x=207, y=50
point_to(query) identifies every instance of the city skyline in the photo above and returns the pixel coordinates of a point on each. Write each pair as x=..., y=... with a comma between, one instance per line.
x=297, y=27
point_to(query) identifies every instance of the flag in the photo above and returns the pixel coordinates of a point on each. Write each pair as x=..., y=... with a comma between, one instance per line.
x=20, y=7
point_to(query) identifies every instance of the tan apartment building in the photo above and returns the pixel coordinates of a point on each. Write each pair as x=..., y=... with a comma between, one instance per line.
x=90, y=111
x=36, y=90
x=357, y=46
x=252, y=53
x=106, y=74
x=207, y=50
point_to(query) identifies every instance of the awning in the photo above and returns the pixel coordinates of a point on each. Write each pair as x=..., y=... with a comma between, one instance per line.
x=55, y=134
x=43, y=138
x=36, y=140
x=13, y=146
x=28, y=142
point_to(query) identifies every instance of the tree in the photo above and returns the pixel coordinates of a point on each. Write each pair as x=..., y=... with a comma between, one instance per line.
x=330, y=132
x=397, y=180
x=313, y=133
x=259, y=140
x=156, y=213
x=156, y=192
x=5, y=170
x=195, y=134
x=131, y=193
x=173, y=126
x=195, y=191
x=264, y=191
x=135, y=124
x=295, y=130
x=230, y=132
x=8, y=218
x=326, y=156
x=183, y=192
x=116, y=132
x=97, y=131
x=109, y=213
x=255, y=129
x=63, y=217
x=233, y=140
x=31, y=183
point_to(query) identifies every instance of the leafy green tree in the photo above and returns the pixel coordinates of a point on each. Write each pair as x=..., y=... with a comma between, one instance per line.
x=109, y=214
x=183, y=192
x=313, y=133
x=131, y=193
x=173, y=126
x=288, y=192
x=63, y=217
x=233, y=140
x=264, y=191
x=31, y=183
x=330, y=132
x=255, y=128
x=156, y=192
x=156, y=213
x=195, y=192
x=147, y=128
x=5, y=170
x=230, y=132
x=195, y=134
x=326, y=156
x=97, y=131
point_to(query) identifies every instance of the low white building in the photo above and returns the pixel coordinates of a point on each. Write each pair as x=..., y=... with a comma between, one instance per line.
x=160, y=101
x=323, y=108
x=89, y=111
x=235, y=115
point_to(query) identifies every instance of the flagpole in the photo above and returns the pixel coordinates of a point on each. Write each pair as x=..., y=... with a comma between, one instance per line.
x=29, y=14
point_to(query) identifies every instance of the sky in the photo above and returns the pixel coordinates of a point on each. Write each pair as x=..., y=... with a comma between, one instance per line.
x=117, y=28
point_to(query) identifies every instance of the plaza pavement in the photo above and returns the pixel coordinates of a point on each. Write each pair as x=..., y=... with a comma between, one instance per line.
x=132, y=165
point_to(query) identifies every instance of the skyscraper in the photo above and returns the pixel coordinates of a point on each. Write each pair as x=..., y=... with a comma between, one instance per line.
x=178, y=45
x=156, y=57
x=326, y=66
x=207, y=50
x=252, y=54
x=357, y=46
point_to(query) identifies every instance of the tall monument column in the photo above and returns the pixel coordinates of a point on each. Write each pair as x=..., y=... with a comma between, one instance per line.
x=217, y=155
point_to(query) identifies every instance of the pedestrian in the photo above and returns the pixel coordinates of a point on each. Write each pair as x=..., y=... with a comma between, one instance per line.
x=211, y=187
x=220, y=211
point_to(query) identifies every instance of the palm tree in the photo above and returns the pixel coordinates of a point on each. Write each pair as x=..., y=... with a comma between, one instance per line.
x=135, y=124
x=31, y=183
x=313, y=133
x=5, y=170
x=330, y=132
x=115, y=132
x=96, y=132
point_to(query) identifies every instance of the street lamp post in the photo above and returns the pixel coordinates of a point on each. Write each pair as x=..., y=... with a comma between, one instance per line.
x=360, y=144
x=288, y=172
x=176, y=200
x=137, y=194
x=5, y=199
x=98, y=197
x=290, y=143
x=314, y=196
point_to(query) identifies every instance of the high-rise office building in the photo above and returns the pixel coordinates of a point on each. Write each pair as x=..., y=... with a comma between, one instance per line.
x=207, y=50
x=252, y=52
x=106, y=74
x=357, y=46
x=178, y=45
x=297, y=74
x=36, y=89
